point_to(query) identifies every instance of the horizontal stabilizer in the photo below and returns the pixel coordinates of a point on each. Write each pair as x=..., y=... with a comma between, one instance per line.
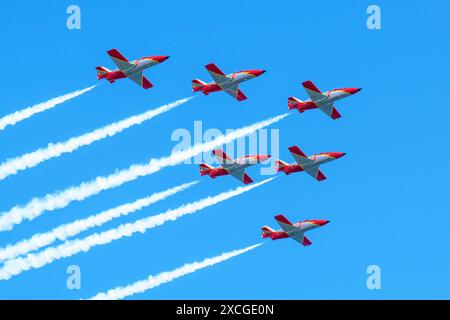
x=102, y=72
x=205, y=169
x=301, y=106
x=197, y=85
x=293, y=103
x=280, y=165
x=267, y=231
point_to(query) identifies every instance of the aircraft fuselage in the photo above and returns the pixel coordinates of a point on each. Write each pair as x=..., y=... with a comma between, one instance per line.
x=301, y=227
x=234, y=79
x=332, y=96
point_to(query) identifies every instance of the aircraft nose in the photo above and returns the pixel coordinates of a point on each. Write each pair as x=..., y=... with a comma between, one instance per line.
x=337, y=155
x=353, y=90
x=257, y=73
x=263, y=158
x=160, y=58
x=322, y=222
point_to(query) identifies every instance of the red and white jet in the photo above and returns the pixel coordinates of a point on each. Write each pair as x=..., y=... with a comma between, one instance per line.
x=294, y=231
x=129, y=69
x=236, y=168
x=309, y=164
x=222, y=82
x=321, y=100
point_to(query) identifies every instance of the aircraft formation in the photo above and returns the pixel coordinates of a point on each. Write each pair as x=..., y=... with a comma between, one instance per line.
x=229, y=83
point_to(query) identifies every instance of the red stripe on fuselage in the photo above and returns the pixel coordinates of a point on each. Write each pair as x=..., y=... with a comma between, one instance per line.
x=209, y=88
x=115, y=75
x=217, y=172
x=291, y=169
x=278, y=235
x=303, y=106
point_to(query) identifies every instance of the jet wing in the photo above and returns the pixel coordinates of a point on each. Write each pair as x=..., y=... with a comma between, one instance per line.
x=120, y=61
x=223, y=159
x=315, y=173
x=292, y=231
x=236, y=93
x=285, y=224
x=299, y=156
x=312, y=91
x=330, y=110
x=140, y=80
x=217, y=74
x=241, y=176
x=302, y=239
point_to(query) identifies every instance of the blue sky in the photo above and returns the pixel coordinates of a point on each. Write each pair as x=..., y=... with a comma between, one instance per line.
x=386, y=199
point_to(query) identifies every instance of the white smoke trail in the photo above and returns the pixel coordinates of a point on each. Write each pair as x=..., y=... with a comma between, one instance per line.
x=65, y=231
x=53, y=150
x=72, y=247
x=168, y=276
x=61, y=199
x=13, y=118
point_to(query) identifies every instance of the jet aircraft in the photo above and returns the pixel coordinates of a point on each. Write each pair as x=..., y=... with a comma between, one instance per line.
x=309, y=164
x=222, y=82
x=129, y=69
x=235, y=168
x=291, y=230
x=321, y=100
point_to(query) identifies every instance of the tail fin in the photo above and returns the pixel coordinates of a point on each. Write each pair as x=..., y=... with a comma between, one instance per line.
x=293, y=103
x=267, y=232
x=205, y=169
x=102, y=72
x=197, y=85
x=280, y=165
x=301, y=106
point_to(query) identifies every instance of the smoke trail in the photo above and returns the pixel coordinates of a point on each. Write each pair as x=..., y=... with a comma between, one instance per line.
x=53, y=150
x=13, y=118
x=168, y=276
x=61, y=199
x=65, y=231
x=71, y=247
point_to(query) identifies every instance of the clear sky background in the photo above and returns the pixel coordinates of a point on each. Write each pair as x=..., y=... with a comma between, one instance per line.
x=387, y=199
